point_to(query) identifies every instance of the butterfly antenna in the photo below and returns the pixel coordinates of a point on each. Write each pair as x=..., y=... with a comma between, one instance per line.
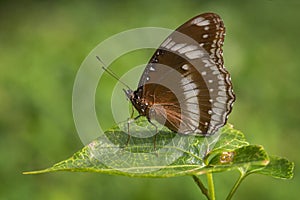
x=111, y=72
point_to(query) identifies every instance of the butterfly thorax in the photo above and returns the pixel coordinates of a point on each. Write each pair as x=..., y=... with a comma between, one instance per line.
x=141, y=104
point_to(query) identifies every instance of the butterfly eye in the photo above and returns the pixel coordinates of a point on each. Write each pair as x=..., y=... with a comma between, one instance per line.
x=135, y=95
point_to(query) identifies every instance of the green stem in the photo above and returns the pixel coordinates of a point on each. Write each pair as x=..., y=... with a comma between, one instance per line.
x=236, y=185
x=211, y=187
x=201, y=186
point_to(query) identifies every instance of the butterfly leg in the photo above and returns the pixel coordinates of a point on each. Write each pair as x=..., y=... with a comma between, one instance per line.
x=132, y=112
x=130, y=120
x=155, y=136
x=128, y=134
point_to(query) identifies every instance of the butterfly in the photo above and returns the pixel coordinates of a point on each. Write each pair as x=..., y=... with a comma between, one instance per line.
x=185, y=85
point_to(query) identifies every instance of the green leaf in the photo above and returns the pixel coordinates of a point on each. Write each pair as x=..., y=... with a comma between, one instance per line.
x=172, y=155
x=278, y=168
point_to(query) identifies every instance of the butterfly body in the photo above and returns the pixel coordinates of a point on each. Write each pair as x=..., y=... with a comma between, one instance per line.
x=185, y=85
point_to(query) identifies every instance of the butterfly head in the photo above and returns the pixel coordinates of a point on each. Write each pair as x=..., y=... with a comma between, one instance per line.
x=136, y=100
x=129, y=93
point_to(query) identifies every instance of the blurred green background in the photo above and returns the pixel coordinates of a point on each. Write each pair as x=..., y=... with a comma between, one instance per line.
x=42, y=44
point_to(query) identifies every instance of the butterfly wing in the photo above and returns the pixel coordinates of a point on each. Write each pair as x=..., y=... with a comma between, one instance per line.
x=190, y=90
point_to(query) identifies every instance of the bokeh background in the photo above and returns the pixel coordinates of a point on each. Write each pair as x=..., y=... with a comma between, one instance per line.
x=42, y=44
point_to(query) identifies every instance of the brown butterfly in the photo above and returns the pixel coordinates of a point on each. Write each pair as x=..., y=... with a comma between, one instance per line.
x=185, y=86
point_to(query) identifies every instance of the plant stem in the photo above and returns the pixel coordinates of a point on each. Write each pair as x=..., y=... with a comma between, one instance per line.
x=211, y=187
x=236, y=185
x=201, y=186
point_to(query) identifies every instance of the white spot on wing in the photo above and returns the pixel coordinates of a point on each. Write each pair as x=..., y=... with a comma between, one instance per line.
x=187, y=49
x=200, y=21
x=185, y=80
x=222, y=93
x=194, y=54
x=152, y=69
x=207, y=63
x=214, y=68
x=190, y=93
x=219, y=105
x=190, y=105
x=177, y=46
x=222, y=87
x=203, y=23
x=171, y=44
x=222, y=82
x=221, y=99
x=217, y=111
x=166, y=42
x=185, y=67
x=215, y=117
